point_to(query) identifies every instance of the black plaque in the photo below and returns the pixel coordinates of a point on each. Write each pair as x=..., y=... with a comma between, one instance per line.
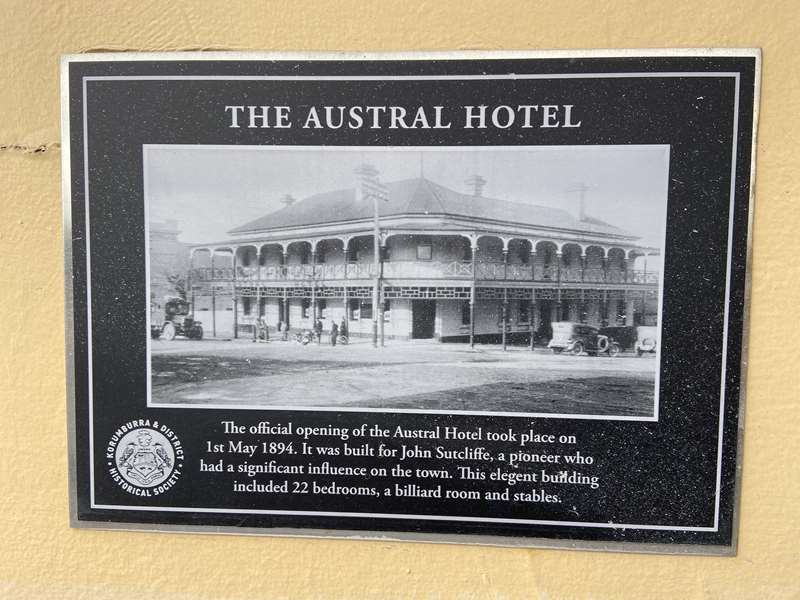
x=483, y=297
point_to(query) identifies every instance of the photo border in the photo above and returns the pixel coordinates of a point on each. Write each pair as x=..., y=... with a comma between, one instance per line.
x=300, y=148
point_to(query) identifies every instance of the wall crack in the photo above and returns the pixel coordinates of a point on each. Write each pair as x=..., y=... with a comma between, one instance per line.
x=31, y=149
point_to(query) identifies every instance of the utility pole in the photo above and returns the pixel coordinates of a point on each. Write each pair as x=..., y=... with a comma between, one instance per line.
x=369, y=186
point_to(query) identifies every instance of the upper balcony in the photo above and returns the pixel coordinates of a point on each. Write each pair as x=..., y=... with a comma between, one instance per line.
x=397, y=271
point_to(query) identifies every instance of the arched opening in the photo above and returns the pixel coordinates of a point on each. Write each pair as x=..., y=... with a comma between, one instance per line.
x=615, y=265
x=519, y=251
x=571, y=262
x=361, y=257
x=330, y=251
x=489, y=258
x=546, y=262
x=331, y=258
x=246, y=256
x=222, y=259
x=247, y=262
x=200, y=258
x=298, y=253
x=519, y=260
x=594, y=269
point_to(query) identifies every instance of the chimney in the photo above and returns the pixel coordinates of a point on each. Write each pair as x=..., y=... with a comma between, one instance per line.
x=476, y=182
x=579, y=211
x=288, y=200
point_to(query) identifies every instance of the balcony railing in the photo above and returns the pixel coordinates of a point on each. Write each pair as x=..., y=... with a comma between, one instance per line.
x=459, y=270
x=427, y=270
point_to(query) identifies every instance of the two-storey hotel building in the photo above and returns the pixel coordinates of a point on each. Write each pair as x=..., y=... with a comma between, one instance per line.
x=449, y=265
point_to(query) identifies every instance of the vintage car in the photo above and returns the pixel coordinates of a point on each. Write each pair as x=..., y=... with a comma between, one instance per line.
x=578, y=338
x=173, y=320
x=646, y=340
x=625, y=336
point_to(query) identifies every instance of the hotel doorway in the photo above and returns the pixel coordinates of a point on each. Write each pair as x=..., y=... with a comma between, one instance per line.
x=423, y=318
x=546, y=309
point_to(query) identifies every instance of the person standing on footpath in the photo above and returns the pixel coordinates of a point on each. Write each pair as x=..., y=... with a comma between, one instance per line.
x=343, y=328
x=334, y=332
x=318, y=331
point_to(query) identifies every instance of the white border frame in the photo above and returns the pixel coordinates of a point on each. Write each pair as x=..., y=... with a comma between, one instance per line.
x=292, y=148
x=433, y=537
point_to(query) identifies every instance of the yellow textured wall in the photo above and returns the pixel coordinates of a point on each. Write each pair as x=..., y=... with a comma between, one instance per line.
x=40, y=557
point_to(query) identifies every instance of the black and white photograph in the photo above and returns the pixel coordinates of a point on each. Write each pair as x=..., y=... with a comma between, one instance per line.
x=510, y=280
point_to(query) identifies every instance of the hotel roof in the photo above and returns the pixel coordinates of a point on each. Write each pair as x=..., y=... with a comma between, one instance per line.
x=417, y=197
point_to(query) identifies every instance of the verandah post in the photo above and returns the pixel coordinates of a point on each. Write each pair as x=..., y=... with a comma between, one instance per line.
x=213, y=299
x=474, y=247
x=285, y=316
x=504, y=316
x=504, y=310
x=285, y=276
x=189, y=284
x=235, y=297
x=313, y=288
x=377, y=282
x=558, y=285
x=583, y=265
x=532, y=316
x=345, y=300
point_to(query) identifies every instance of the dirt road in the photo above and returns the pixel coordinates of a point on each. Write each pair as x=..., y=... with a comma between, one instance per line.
x=402, y=376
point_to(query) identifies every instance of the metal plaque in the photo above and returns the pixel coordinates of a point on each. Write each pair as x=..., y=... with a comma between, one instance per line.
x=494, y=298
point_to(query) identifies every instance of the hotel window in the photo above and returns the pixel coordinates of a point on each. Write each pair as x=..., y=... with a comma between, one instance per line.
x=306, y=306
x=524, y=311
x=323, y=308
x=320, y=256
x=424, y=250
x=387, y=310
x=465, y=312
x=305, y=254
x=246, y=306
x=353, y=309
x=524, y=255
x=262, y=306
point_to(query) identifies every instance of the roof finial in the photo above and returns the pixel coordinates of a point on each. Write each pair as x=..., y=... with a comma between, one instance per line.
x=288, y=200
x=476, y=182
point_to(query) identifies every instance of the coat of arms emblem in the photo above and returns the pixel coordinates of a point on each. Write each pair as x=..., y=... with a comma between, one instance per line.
x=145, y=457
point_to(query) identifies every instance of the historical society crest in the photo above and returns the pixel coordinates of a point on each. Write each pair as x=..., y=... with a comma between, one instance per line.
x=145, y=457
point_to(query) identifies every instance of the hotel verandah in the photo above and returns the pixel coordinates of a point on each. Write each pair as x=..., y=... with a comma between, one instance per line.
x=452, y=266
